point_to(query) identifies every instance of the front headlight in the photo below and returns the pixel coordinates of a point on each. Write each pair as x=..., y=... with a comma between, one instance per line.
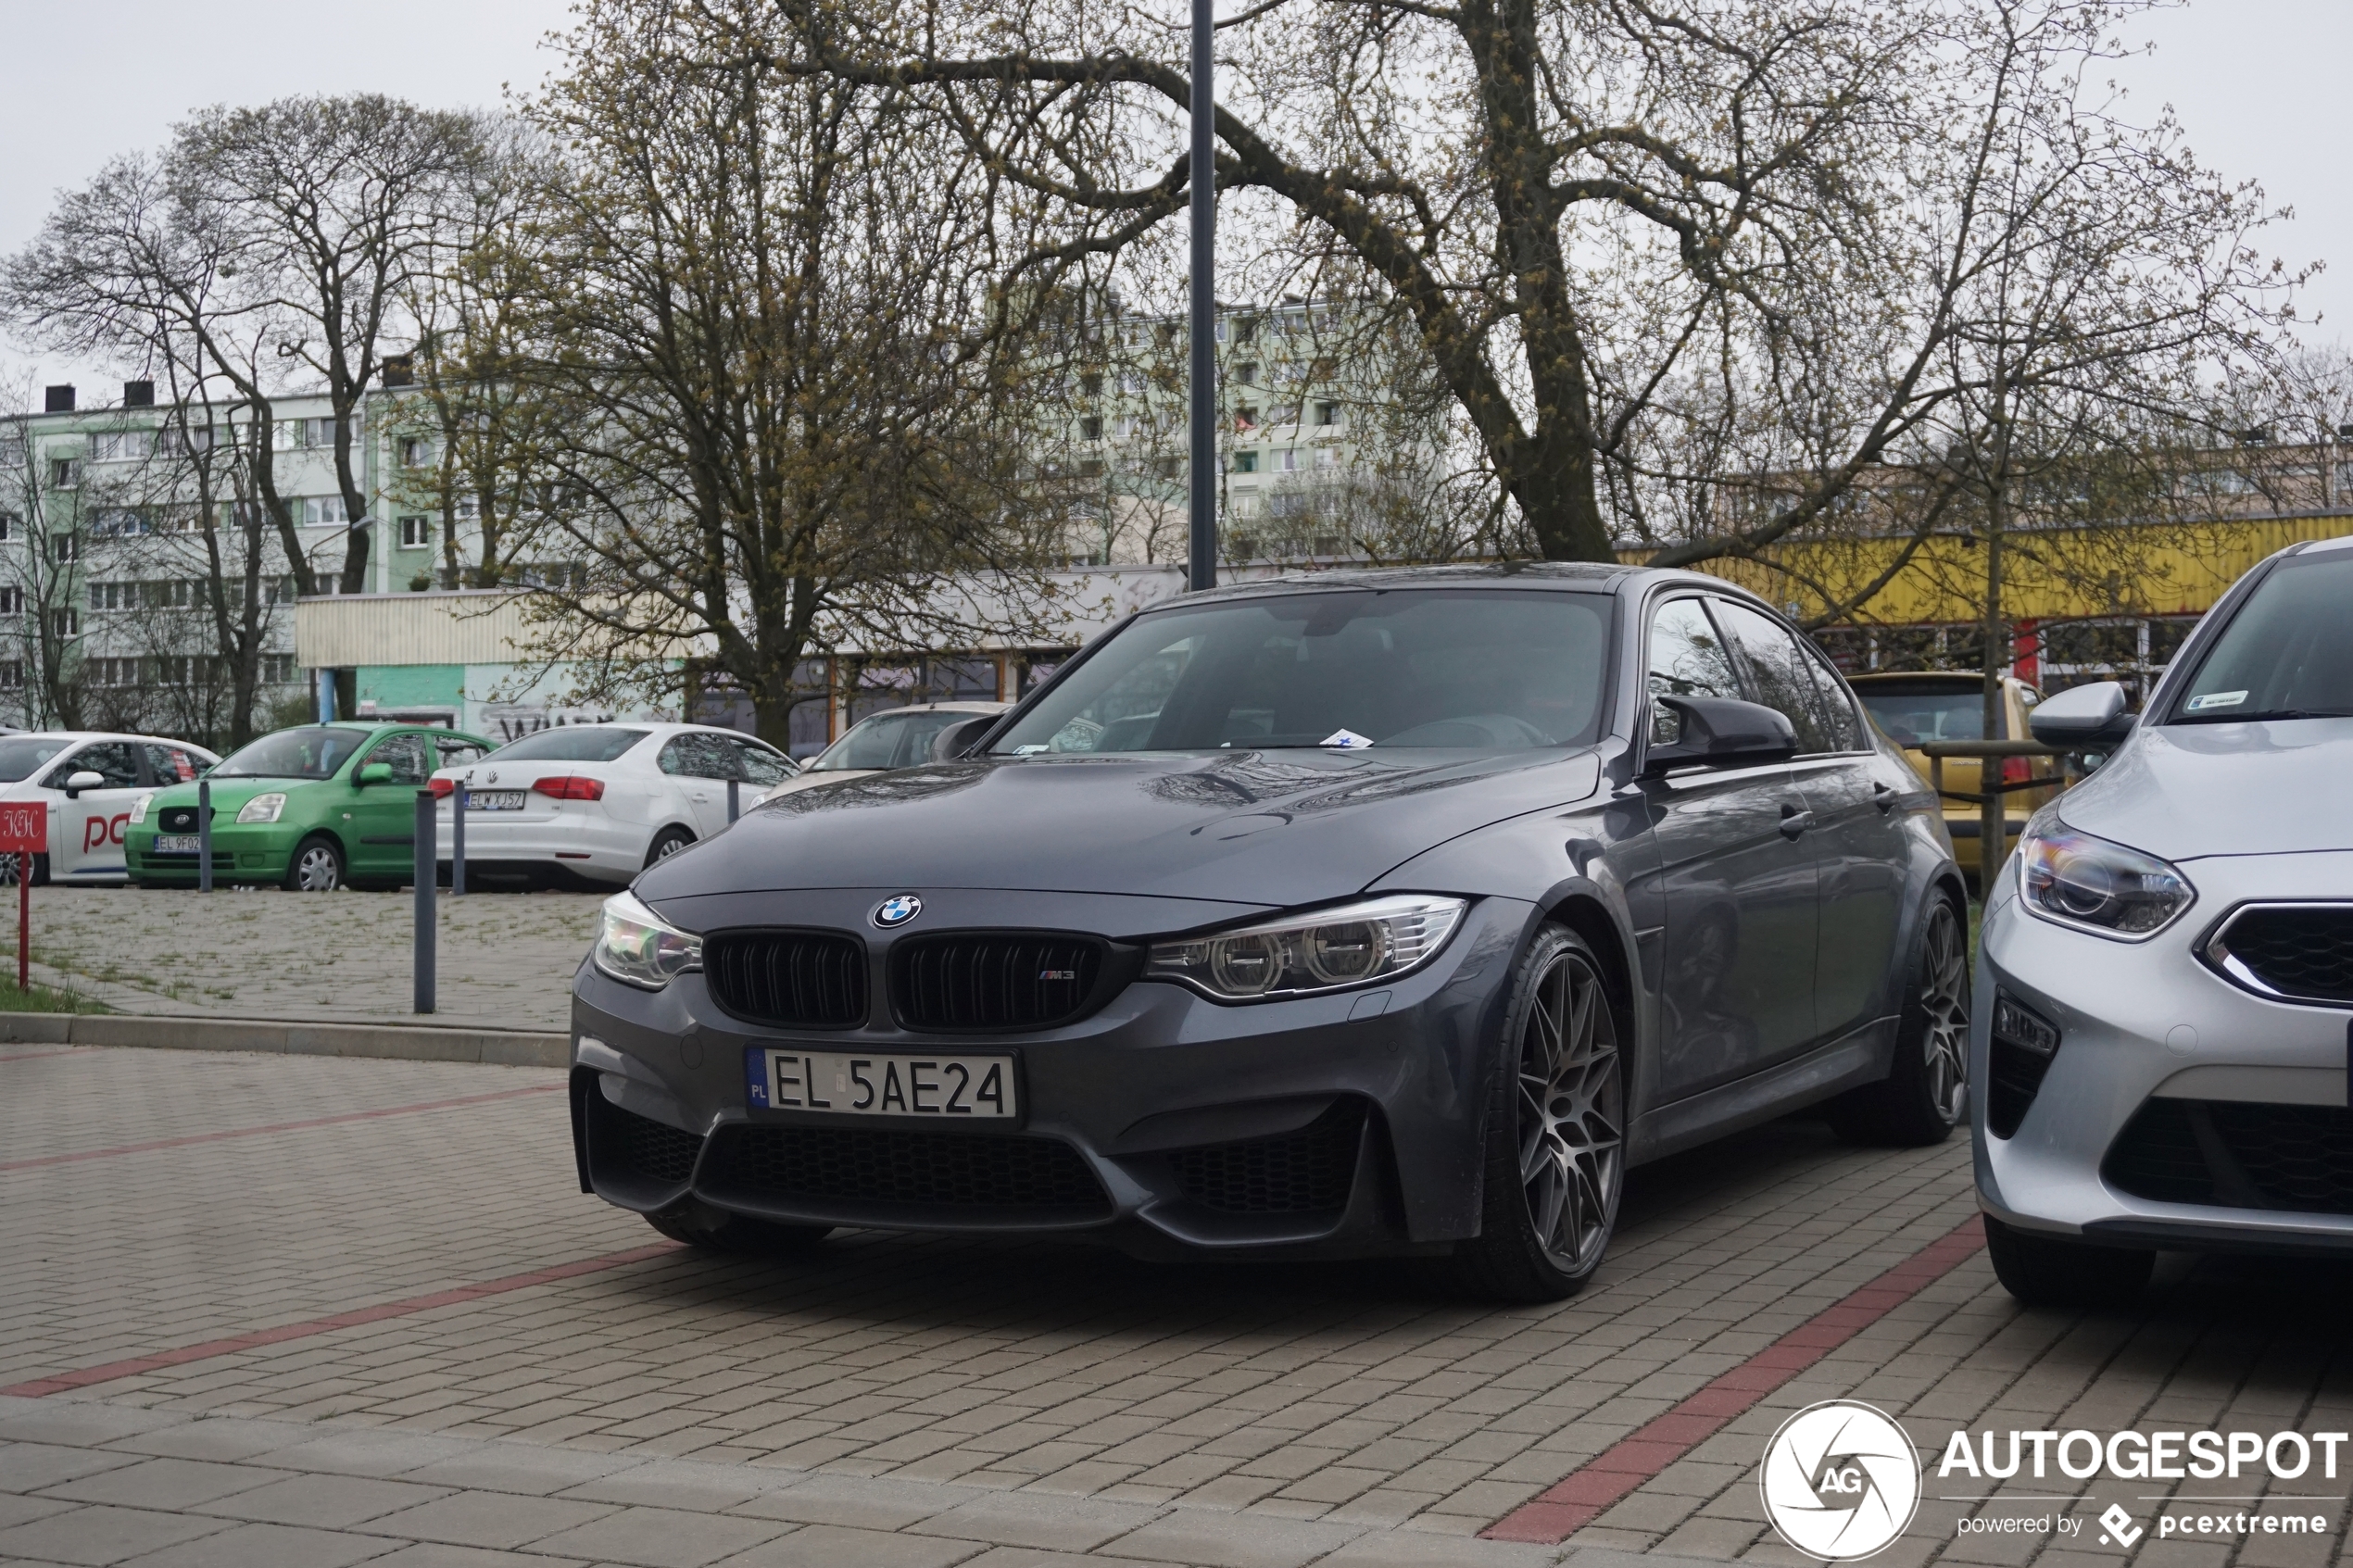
x=139, y=808
x=2075, y=879
x=1325, y=950
x=638, y=948
x=262, y=807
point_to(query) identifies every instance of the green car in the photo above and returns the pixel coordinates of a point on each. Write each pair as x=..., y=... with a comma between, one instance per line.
x=311, y=808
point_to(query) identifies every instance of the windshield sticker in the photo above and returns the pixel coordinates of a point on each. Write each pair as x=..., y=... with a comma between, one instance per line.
x=1345, y=740
x=1030, y=750
x=2215, y=699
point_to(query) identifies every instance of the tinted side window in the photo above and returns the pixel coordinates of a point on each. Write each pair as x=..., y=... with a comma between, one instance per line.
x=1782, y=672
x=405, y=755
x=454, y=751
x=761, y=766
x=112, y=759
x=1841, y=728
x=170, y=764
x=1687, y=656
x=699, y=756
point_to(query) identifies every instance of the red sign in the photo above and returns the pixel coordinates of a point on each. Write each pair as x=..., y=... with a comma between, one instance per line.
x=24, y=828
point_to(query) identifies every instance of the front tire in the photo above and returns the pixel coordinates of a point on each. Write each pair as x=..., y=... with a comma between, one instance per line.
x=2050, y=1271
x=715, y=1230
x=317, y=866
x=1925, y=1093
x=1555, y=1131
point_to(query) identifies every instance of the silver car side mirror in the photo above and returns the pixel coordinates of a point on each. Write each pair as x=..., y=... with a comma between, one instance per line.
x=83, y=779
x=2086, y=718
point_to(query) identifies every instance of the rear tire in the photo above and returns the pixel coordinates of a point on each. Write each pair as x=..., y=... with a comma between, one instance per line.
x=715, y=1230
x=315, y=867
x=1925, y=1094
x=1555, y=1131
x=2049, y=1270
x=668, y=842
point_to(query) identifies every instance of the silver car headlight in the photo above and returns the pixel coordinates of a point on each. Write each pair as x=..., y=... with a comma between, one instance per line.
x=139, y=808
x=262, y=807
x=2074, y=878
x=638, y=948
x=1326, y=950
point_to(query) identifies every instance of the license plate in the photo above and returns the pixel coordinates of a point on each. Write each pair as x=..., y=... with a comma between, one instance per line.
x=177, y=844
x=494, y=800
x=977, y=1089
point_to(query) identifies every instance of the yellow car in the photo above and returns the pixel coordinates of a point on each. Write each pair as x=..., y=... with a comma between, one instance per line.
x=1922, y=707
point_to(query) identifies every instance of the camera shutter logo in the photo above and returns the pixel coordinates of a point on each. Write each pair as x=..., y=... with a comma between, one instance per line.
x=1841, y=1480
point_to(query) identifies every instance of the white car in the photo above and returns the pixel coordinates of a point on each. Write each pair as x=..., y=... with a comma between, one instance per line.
x=899, y=738
x=90, y=780
x=595, y=804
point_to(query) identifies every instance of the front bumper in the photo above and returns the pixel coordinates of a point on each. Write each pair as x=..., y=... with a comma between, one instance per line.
x=254, y=853
x=1325, y=1125
x=2179, y=1110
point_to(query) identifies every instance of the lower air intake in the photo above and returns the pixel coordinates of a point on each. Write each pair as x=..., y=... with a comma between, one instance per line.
x=1307, y=1172
x=2235, y=1154
x=906, y=1169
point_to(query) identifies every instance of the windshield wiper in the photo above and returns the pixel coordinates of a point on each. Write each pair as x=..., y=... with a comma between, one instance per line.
x=2262, y=714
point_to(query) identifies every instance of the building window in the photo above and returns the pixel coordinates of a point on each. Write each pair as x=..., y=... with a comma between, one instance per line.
x=1246, y=462
x=118, y=522
x=122, y=445
x=114, y=671
x=1328, y=413
x=1245, y=418
x=8, y=526
x=1246, y=373
x=64, y=472
x=11, y=674
x=64, y=623
x=65, y=548
x=114, y=596
x=1090, y=428
x=1287, y=460
x=1090, y=467
x=321, y=511
x=320, y=434
x=277, y=670
x=420, y=452
x=415, y=532
x=1092, y=383
x=1246, y=329
x=12, y=600
x=1326, y=458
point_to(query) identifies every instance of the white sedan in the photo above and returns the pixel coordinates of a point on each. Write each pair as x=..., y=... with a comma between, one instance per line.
x=899, y=738
x=595, y=804
x=90, y=780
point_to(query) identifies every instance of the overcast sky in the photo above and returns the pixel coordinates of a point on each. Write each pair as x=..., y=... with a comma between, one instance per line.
x=2259, y=84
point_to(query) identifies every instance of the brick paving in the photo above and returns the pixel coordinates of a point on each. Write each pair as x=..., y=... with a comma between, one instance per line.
x=505, y=959
x=927, y=1400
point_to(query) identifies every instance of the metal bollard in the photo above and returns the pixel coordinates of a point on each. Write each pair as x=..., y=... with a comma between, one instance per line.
x=425, y=872
x=735, y=799
x=204, y=836
x=458, y=841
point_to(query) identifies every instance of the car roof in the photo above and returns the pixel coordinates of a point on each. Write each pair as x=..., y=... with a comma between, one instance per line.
x=101, y=734
x=1931, y=679
x=962, y=706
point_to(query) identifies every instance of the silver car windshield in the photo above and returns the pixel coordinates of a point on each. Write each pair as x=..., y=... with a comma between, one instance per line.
x=1481, y=670
x=2288, y=652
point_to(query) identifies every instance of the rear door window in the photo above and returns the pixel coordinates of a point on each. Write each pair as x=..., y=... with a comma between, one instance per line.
x=1782, y=672
x=171, y=765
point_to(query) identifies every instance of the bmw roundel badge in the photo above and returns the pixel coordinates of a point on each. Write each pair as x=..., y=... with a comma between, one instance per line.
x=897, y=910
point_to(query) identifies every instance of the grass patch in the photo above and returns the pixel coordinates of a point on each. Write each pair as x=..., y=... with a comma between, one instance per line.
x=45, y=999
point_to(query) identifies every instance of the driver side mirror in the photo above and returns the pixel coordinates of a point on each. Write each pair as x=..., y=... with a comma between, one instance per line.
x=372, y=773
x=958, y=739
x=2083, y=719
x=1688, y=731
x=85, y=779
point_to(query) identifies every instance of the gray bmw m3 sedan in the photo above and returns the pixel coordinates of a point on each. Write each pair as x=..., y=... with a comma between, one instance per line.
x=1366, y=913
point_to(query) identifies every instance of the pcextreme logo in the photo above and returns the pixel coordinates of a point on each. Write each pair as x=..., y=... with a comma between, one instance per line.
x=1841, y=1480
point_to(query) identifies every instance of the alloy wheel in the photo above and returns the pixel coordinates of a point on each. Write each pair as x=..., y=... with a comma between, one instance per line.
x=315, y=870
x=1945, y=1000
x=1571, y=1115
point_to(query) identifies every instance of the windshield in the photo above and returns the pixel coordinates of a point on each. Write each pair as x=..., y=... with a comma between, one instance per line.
x=1925, y=714
x=314, y=752
x=21, y=756
x=1472, y=670
x=2288, y=652
x=574, y=742
x=886, y=740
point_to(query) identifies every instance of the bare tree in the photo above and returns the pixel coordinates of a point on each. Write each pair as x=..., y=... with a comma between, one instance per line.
x=760, y=301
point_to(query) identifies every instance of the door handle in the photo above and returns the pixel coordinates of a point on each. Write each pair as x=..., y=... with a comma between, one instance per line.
x=1795, y=821
x=1882, y=798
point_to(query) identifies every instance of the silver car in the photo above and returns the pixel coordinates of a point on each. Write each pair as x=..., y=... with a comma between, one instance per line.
x=2160, y=1036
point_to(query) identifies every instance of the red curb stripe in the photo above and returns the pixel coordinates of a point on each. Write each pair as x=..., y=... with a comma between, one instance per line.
x=274, y=1127
x=1587, y=1492
x=136, y=1365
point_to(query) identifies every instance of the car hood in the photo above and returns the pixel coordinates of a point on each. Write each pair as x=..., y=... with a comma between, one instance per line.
x=229, y=796
x=1265, y=828
x=2183, y=791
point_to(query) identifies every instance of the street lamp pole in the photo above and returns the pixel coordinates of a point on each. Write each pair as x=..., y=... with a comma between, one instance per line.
x=1202, y=568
